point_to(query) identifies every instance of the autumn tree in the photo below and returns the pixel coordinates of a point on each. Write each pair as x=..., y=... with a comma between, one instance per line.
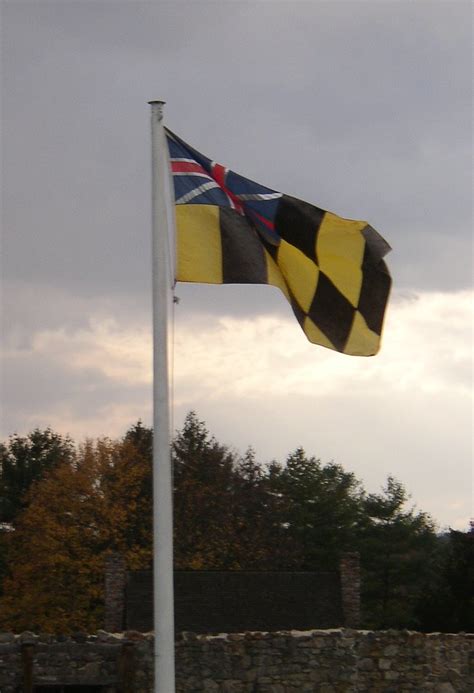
x=75, y=515
x=127, y=490
x=24, y=460
x=101, y=501
x=55, y=552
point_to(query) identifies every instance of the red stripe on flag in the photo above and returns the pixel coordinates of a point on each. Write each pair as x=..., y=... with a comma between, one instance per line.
x=218, y=173
x=187, y=167
x=267, y=222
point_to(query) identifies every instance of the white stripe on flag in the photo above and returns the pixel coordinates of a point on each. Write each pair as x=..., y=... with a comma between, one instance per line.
x=196, y=192
x=259, y=196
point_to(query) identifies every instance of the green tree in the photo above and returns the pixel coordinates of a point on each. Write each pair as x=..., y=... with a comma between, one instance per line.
x=261, y=534
x=204, y=480
x=141, y=437
x=224, y=509
x=320, y=505
x=397, y=547
x=25, y=459
x=448, y=602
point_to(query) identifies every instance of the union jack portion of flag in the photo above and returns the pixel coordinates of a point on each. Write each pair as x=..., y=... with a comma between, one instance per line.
x=200, y=180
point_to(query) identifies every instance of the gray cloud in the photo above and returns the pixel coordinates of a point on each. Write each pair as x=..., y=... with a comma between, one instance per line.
x=44, y=393
x=49, y=387
x=363, y=108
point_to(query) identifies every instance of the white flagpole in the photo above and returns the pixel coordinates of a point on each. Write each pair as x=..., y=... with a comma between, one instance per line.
x=163, y=604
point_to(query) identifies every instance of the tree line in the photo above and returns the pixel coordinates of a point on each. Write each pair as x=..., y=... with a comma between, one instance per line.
x=64, y=507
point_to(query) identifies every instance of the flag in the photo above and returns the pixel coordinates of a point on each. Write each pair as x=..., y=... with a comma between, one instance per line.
x=232, y=230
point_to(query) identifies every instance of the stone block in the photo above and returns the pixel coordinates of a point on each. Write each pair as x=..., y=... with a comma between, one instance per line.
x=384, y=663
x=90, y=672
x=391, y=675
x=444, y=687
x=326, y=688
x=391, y=650
x=7, y=638
x=366, y=664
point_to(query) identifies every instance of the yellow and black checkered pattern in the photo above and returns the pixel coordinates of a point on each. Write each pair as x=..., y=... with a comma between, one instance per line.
x=330, y=269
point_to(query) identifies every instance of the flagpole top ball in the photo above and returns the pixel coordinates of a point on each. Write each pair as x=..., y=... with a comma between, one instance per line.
x=157, y=109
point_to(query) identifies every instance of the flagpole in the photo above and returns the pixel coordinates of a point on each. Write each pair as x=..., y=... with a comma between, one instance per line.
x=163, y=602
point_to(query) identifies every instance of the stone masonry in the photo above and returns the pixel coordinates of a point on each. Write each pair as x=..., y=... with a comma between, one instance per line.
x=349, y=569
x=114, y=588
x=324, y=661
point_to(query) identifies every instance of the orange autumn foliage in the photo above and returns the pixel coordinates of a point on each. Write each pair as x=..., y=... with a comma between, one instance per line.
x=77, y=514
x=100, y=500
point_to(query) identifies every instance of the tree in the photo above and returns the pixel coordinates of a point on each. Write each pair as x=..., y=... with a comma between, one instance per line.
x=127, y=488
x=24, y=460
x=459, y=572
x=224, y=510
x=396, y=547
x=58, y=588
x=141, y=437
x=320, y=505
x=101, y=501
x=203, y=481
x=260, y=537
x=448, y=602
x=74, y=516
x=230, y=513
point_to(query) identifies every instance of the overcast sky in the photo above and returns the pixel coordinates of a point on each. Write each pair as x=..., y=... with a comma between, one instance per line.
x=362, y=108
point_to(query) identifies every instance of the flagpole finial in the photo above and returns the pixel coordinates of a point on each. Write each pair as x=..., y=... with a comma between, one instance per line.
x=157, y=107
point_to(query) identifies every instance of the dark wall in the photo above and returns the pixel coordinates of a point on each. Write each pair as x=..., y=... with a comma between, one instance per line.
x=232, y=602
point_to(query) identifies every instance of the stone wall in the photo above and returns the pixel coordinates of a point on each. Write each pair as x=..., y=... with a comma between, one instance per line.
x=324, y=661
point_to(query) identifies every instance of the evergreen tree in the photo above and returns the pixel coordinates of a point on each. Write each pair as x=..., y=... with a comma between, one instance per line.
x=24, y=460
x=448, y=602
x=320, y=505
x=141, y=437
x=225, y=512
x=203, y=482
x=397, y=547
